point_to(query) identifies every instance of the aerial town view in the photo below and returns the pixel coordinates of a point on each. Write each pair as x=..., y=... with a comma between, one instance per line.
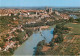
x=39, y=27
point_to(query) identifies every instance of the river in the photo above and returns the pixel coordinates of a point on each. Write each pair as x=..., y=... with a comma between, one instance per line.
x=29, y=46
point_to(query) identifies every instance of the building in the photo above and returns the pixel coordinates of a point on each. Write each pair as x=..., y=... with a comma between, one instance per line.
x=64, y=16
x=8, y=45
x=49, y=10
x=56, y=12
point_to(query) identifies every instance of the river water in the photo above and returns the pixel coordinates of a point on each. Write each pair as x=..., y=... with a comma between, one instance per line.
x=29, y=46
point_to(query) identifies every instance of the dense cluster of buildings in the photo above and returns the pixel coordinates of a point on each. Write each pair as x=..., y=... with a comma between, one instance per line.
x=9, y=43
x=64, y=16
x=31, y=13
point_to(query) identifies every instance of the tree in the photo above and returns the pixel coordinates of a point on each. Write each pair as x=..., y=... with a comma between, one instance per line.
x=29, y=32
x=7, y=35
x=59, y=39
x=20, y=37
x=71, y=20
x=11, y=50
x=18, y=30
x=39, y=48
x=13, y=39
x=51, y=43
x=18, y=14
x=2, y=44
x=41, y=43
x=5, y=53
x=12, y=14
x=78, y=20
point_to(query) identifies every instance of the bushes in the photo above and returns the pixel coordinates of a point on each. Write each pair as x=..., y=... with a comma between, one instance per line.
x=4, y=21
x=2, y=44
x=13, y=39
x=18, y=30
x=60, y=29
x=71, y=20
x=50, y=23
x=11, y=50
x=39, y=47
x=59, y=39
x=40, y=53
x=5, y=53
x=78, y=20
x=35, y=24
x=20, y=37
x=26, y=17
x=56, y=22
x=41, y=43
x=43, y=23
x=51, y=43
x=29, y=32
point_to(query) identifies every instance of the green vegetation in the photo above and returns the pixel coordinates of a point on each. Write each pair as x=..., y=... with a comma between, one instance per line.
x=59, y=39
x=20, y=37
x=43, y=23
x=6, y=24
x=29, y=32
x=39, y=47
x=26, y=17
x=75, y=27
x=4, y=21
x=5, y=53
x=60, y=29
x=71, y=20
x=56, y=22
x=51, y=43
x=68, y=46
x=35, y=24
x=71, y=43
x=2, y=44
x=78, y=20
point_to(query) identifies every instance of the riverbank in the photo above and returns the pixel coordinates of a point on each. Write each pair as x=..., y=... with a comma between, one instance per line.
x=58, y=32
x=29, y=46
x=29, y=35
x=43, y=36
x=69, y=45
x=20, y=38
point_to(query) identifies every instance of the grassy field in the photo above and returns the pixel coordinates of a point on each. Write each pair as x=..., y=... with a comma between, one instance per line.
x=75, y=28
x=71, y=43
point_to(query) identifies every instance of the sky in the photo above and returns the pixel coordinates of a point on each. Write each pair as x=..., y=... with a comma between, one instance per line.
x=39, y=3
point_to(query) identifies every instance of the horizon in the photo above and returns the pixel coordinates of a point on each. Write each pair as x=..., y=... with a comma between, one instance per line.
x=40, y=3
x=39, y=7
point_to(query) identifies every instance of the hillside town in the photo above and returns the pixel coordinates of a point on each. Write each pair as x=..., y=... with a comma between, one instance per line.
x=13, y=33
x=39, y=27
